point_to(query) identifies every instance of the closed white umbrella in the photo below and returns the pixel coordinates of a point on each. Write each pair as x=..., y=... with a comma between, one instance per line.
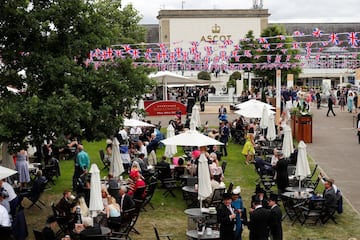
x=302, y=164
x=170, y=150
x=191, y=138
x=96, y=203
x=264, y=121
x=116, y=164
x=271, y=133
x=6, y=172
x=204, y=187
x=195, y=121
x=287, y=146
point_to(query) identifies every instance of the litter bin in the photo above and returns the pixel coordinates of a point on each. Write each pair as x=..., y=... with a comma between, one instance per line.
x=303, y=128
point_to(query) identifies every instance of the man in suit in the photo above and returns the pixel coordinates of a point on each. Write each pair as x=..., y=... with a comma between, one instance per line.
x=126, y=202
x=275, y=219
x=330, y=198
x=227, y=218
x=330, y=106
x=64, y=205
x=224, y=137
x=259, y=222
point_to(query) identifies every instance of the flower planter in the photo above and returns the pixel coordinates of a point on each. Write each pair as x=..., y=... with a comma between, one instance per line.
x=303, y=128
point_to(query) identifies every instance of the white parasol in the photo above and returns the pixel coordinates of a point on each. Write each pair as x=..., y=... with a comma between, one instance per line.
x=287, y=146
x=191, y=138
x=116, y=164
x=302, y=164
x=204, y=188
x=6, y=172
x=136, y=123
x=170, y=150
x=252, y=103
x=96, y=203
x=195, y=121
x=271, y=133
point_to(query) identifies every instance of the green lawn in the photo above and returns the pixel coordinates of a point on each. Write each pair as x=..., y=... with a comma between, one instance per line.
x=169, y=212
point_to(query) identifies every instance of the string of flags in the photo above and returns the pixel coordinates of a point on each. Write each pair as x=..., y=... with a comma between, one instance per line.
x=282, y=52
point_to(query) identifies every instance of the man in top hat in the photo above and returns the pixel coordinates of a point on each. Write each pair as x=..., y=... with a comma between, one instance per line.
x=261, y=194
x=227, y=218
x=275, y=218
x=259, y=221
x=48, y=230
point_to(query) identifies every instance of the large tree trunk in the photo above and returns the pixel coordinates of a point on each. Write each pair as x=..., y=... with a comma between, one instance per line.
x=7, y=160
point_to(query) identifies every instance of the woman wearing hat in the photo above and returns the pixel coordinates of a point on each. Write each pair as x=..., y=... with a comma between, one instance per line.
x=237, y=204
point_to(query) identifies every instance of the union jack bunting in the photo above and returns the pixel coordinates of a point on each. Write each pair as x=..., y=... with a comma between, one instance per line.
x=317, y=32
x=127, y=48
x=277, y=58
x=209, y=50
x=262, y=40
x=247, y=53
x=353, y=39
x=178, y=52
x=295, y=45
x=297, y=34
x=334, y=39
x=282, y=37
x=279, y=45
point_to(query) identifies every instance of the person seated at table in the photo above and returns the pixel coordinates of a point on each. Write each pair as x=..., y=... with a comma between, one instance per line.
x=126, y=202
x=108, y=151
x=80, y=203
x=261, y=195
x=330, y=198
x=87, y=228
x=4, y=213
x=64, y=206
x=13, y=199
x=164, y=170
x=137, y=182
x=264, y=167
x=142, y=149
x=50, y=226
x=113, y=213
x=214, y=167
x=139, y=162
x=274, y=157
x=37, y=188
x=104, y=195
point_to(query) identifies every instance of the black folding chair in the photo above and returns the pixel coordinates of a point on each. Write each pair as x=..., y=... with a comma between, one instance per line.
x=38, y=235
x=159, y=236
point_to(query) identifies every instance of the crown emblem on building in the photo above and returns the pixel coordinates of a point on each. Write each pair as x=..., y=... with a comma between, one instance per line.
x=215, y=29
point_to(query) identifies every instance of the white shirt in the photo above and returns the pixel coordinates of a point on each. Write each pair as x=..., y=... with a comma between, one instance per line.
x=10, y=191
x=143, y=150
x=4, y=217
x=123, y=134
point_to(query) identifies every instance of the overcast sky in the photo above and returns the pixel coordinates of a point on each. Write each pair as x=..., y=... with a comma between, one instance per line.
x=280, y=10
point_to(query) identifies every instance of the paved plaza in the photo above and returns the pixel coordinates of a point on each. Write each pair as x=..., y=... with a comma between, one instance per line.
x=335, y=146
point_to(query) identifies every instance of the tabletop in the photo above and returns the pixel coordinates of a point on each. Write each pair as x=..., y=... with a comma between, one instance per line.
x=297, y=195
x=297, y=189
x=190, y=189
x=193, y=234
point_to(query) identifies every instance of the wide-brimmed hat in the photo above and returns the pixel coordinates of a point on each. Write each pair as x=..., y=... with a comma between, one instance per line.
x=236, y=191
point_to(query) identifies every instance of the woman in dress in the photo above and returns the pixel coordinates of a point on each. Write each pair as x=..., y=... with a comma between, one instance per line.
x=22, y=167
x=342, y=101
x=248, y=149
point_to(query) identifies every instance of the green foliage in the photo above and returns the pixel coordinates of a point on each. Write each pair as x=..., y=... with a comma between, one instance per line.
x=272, y=31
x=49, y=42
x=203, y=75
x=232, y=79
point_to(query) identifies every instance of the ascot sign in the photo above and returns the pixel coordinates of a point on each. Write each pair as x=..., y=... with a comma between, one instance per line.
x=215, y=36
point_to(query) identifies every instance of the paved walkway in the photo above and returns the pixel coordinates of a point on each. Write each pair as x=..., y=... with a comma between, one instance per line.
x=335, y=147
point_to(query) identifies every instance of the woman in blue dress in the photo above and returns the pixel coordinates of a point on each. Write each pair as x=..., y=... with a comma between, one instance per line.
x=22, y=167
x=237, y=204
x=350, y=101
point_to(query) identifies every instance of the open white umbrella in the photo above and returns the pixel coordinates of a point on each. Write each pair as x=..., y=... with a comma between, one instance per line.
x=191, y=138
x=96, y=203
x=271, y=133
x=170, y=150
x=204, y=187
x=255, y=111
x=254, y=103
x=6, y=172
x=116, y=164
x=287, y=146
x=195, y=121
x=302, y=164
x=136, y=123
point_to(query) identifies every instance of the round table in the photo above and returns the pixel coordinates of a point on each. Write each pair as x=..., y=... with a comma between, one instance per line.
x=297, y=189
x=193, y=234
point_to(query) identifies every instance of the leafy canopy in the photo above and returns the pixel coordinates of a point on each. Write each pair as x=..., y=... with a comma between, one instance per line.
x=47, y=42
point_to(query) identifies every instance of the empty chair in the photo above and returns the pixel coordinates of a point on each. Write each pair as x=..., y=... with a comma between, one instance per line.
x=160, y=236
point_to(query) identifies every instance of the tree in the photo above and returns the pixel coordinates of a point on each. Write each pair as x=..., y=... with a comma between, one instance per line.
x=49, y=41
x=232, y=79
x=204, y=75
x=273, y=32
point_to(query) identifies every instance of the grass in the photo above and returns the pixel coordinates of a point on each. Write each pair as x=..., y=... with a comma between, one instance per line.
x=169, y=212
